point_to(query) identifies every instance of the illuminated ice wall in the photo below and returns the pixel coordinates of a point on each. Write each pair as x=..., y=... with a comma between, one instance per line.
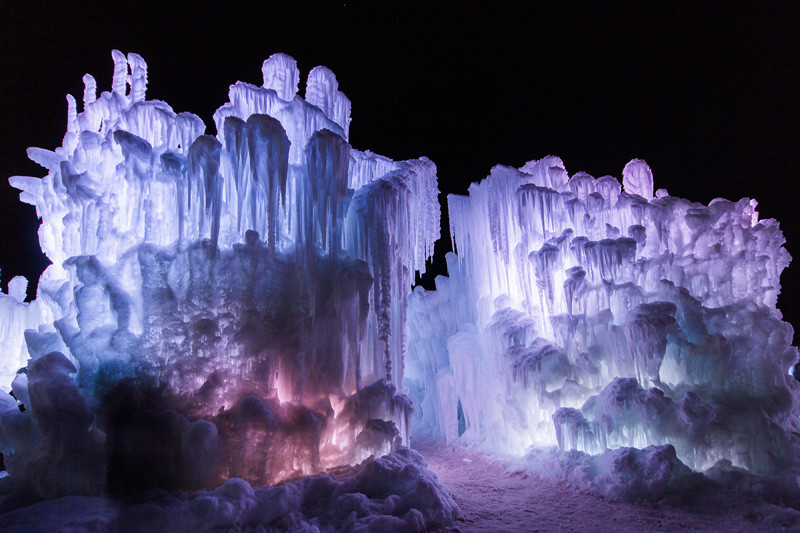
x=591, y=314
x=236, y=301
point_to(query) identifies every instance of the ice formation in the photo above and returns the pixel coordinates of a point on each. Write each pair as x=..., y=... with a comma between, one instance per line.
x=217, y=306
x=236, y=307
x=596, y=316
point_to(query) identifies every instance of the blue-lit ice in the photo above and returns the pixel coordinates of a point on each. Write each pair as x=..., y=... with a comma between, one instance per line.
x=591, y=316
x=218, y=306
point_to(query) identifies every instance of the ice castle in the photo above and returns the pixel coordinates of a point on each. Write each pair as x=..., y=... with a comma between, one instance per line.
x=240, y=304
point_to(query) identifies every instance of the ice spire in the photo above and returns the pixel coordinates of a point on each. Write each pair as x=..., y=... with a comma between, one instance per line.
x=281, y=75
x=120, y=80
x=637, y=178
x=89, y=90
x=322, y=90
x=138, y=78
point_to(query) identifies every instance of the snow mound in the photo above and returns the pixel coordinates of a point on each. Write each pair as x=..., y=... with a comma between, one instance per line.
x=655, y=479
x=393, y=493
x=624, y=474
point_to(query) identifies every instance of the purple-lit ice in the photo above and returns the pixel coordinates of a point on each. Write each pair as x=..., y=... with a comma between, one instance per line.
x=218, y=307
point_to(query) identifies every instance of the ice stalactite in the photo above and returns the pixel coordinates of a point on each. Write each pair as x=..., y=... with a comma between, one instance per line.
x=591, y=315
x=268, y=148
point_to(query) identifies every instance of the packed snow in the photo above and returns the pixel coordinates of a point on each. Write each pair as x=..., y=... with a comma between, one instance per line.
x=550, y=493
x=396, y=493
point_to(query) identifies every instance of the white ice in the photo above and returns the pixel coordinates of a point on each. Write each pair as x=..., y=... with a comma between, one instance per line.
x=593, y=316
x=237, y=306
x=253, y=282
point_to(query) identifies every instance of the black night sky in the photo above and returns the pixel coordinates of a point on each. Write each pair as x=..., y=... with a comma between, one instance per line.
x=709, y=97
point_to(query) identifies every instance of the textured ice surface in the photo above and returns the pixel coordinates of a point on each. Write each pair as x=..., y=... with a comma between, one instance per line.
x=590, y=315
x=229, y=305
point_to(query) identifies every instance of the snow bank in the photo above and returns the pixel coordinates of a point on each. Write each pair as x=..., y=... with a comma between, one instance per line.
x=655, y=479
x=393, y=493
x=624, y=474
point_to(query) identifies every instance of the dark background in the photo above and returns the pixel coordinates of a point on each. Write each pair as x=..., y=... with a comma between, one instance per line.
x=707, y=96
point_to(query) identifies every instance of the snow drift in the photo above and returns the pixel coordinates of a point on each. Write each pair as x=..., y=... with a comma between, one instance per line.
x=395, y=493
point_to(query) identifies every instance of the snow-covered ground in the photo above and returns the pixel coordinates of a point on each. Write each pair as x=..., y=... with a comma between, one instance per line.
x=392, y=494
x=493, y=497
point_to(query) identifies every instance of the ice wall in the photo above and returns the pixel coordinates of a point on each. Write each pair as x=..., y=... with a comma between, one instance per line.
x=254, y=282
x=591, y=315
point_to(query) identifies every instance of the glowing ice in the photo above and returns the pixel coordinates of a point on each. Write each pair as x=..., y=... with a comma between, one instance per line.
x=591, y=316
x=237, y=305
x=254, y=282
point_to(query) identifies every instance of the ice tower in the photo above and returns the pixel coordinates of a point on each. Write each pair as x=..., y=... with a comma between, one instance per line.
x=253, y=282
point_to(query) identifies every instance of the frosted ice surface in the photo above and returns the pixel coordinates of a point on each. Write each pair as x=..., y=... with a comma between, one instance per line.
x=586, y=315
x=18, y=287
x=322, y=91
x=254, y=281
x=89, y=89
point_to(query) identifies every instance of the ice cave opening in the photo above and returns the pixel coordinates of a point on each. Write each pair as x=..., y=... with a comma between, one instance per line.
x=235, y=310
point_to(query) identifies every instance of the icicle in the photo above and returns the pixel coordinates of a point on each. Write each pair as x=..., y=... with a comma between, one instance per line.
x=269, y=163
x=327, y=159
x=235, y=136
x=204, y=154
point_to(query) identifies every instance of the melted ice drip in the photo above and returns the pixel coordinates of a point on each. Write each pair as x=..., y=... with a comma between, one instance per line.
x=590, y=316
x=257, y=278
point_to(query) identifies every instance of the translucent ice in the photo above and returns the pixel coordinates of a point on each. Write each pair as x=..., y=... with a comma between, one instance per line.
x=593, y=316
